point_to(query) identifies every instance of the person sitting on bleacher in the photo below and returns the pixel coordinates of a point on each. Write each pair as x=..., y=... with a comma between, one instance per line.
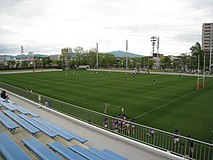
x=3, y=94
x=7, y=99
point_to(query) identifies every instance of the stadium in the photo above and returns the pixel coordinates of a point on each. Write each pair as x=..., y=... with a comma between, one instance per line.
x=156, y=115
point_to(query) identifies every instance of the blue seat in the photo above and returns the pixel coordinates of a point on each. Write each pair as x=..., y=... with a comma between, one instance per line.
x=11, y=125
x=85, y=153
x=61, y=131
x=40, y=150
x=64, y=151
x=55, y=128
x=8, y=106
x=3, y=100
x=115, y=155
x=47, y=131
x=25, y=111
x=22, y=122
x=101, y=154
x=10, y=150
x=78, y=138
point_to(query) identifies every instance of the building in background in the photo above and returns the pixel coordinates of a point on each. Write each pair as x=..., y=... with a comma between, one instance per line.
x=207, y=41
x=55, y=57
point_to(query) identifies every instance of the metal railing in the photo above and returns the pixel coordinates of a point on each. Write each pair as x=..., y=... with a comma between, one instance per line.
x=169, y=142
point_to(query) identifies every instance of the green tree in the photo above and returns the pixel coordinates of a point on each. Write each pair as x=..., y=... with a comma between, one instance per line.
x=78, y=54
x=195, y=52
x=166, y=62
x=184, y=61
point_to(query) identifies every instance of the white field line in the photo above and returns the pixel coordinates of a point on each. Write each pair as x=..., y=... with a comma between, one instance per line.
x=115, y=106
x=152, y=110
x=78, y=97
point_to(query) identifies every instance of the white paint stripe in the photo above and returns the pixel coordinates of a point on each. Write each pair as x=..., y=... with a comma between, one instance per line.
x=152, y=110
x=78, y=97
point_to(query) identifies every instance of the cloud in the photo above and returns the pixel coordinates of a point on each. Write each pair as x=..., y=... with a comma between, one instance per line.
x=47, y=26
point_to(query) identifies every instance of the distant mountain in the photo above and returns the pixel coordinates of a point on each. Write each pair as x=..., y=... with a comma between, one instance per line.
x=123, y=54
x=40, y=55
x=23, y=56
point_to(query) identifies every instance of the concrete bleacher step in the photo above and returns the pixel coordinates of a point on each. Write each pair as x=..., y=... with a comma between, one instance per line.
x=40, y=150
x=64, y=151
x=102, y=154
x=115, y=155
x=10, y=150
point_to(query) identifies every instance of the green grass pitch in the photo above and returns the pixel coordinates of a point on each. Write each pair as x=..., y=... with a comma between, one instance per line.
x=169, y=104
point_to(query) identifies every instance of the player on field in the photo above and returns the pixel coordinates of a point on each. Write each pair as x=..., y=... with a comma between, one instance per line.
x=106, y=107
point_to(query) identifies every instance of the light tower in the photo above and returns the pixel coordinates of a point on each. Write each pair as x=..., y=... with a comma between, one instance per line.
x=22, y=49
x=153, y=40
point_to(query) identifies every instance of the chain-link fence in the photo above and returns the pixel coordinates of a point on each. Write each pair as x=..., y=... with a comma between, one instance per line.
x=169, y=142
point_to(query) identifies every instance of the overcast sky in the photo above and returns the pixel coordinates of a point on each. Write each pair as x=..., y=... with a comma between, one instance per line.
x=46, y=26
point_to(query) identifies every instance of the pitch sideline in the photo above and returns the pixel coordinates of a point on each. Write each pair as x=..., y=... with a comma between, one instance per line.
x=152, y=110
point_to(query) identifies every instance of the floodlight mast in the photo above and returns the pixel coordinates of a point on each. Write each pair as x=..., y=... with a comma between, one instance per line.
x=153, y=40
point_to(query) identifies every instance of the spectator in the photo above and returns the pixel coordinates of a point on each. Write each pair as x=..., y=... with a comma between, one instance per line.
x=7, y=99
x=105, y=123
x=151, y=132
x=114, y=124
x=119, y=121
x=50, y=104
x=46, y=103
x=133, y=125
x=191, y=146
x=127, y=125
x=176, y=137
x=3, y=94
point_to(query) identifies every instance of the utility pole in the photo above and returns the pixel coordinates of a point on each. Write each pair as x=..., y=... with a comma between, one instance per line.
x=210, y=52
x=158, y=42
x=126, y=54
x=204, y=64
x=97, y=55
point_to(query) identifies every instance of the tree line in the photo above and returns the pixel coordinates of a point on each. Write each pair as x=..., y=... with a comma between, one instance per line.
x=73, y=58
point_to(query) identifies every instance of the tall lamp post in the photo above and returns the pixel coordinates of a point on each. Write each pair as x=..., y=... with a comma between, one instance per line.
x=97, y=55
x=41, y=64
x=34, y=65
x=126, y=54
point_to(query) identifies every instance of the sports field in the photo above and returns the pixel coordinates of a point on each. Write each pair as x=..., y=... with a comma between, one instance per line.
x=169, y=104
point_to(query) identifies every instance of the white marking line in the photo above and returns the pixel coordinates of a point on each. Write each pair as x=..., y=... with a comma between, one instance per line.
x=78, y=97
x=115, y=106
x=165, y=104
